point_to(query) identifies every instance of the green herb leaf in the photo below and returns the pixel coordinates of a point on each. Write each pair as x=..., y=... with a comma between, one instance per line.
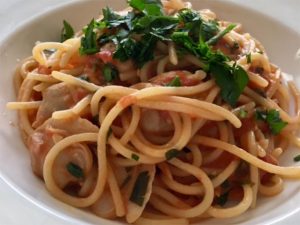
x=140, y=188
x=75, y=170
x=216, y=38
x=297, y=158
x=88, y=41
x=135, y=157
x=110, y=72
x=175, y=82
x=112, y=19
x=231, y=80
x=272, y=118
x=127, y=48
x=67, y=32
x=248, y=56
x=148, y=7
x=222, y=199
x=171, y=154
x=243, y=113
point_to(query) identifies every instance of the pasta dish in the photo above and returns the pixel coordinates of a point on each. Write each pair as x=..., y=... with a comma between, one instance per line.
x=157, y=114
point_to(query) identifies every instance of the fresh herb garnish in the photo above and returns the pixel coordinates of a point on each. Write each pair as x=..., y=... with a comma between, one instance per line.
x=297, y=158
x=171, y=154
x=243, y=113
x=231, y=80
x=110, y=72
x=188, y=30
x=272, y=118
x=216, y=38
x=75, y=170
x=135, y=157
x=248, y=56
x=88, y=42
x=148, y=7
x=222, y=199
x=175, y=82
x=67, y=31
x=140, y=188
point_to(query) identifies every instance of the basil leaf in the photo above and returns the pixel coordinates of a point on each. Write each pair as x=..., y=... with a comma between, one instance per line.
x=88, y=41
x=140, y=188
x=67, y=32
x=75, y=170
x=248, y=56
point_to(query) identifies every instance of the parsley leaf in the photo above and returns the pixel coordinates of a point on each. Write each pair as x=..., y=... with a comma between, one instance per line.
x=88, y=41
x=140, y=188
x=297, y=158
x=135, y=157
x=216, y=38
x=272, y=118
x=148, y=7
x=75, y=170
x=175, y=82
x=231, y=80
x=248, y=56
x=222, y=199
x=110, y=72
x=242, y=113
x=126, y=49
x=67, y=32
x=171, y=154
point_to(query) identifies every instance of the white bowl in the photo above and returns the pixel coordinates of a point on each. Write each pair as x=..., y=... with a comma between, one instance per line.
x=280, y=42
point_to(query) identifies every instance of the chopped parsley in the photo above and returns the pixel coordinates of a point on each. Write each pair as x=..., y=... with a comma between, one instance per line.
x=88, y=41
x=231, y=79
x=190, y=33
x=135, y=157
x=243, y=113
x=222, y=199
x=272, y=118
x=75, y=170
x=67, y=31
x=110, y=72
x=216, y=38
x=175, y=82
x=248, y=56
x=171, y=154
x=140, y=188
x=297, y=158
x=148, y=7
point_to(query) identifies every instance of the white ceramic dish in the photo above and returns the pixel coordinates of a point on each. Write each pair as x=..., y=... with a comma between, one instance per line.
x=15, y=167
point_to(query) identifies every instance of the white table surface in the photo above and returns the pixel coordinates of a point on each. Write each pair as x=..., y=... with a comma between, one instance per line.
x=14, y=209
